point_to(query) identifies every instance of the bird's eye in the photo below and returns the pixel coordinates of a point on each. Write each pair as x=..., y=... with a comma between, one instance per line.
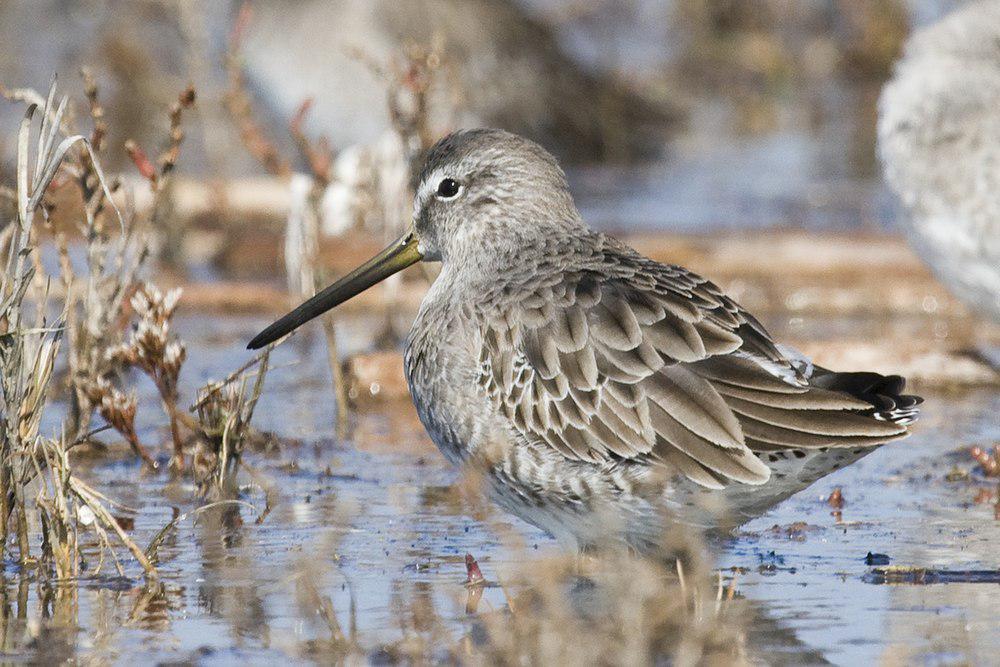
x=448, y=188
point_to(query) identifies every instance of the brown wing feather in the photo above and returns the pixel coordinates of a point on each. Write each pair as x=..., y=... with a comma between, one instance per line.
x=631, y=359
x=602, y=376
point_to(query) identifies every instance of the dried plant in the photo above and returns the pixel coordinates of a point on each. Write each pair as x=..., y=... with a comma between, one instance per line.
x=100, y=350
x=224, y=410
x=159, y=176
x=409, y=81
x=97, y=315
x=606, y=607
x=96, y=302
x=118, y=410
x=370, y=185
x=302, y=241
x=627, y=610
x=240, y=105
x=151, y=348
x=29, y=345
x=54, y=501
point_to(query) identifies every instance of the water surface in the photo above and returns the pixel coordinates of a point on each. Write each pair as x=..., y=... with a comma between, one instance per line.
x=372, y=524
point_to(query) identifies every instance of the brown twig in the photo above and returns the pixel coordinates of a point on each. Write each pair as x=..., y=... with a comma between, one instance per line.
x=96, y=109
x=223, y=428
x=168, y=158
x=142, y=162
x=238, y=102
x=318, y=154
x=215, y=387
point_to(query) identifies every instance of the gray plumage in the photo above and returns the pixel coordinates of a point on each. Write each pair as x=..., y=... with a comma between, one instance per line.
x=600, y=392
x=939, y=139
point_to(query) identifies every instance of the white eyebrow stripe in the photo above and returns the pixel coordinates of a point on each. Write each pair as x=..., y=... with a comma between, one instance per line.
x=430, y=184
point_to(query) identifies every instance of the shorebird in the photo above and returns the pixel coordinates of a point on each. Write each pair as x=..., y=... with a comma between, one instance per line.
x=601, y=394
x=939, y=140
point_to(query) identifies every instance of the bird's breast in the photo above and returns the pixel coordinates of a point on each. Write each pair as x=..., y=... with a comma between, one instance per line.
x=441, y=371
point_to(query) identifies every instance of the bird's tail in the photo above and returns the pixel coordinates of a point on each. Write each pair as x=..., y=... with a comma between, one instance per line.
x=883, y=392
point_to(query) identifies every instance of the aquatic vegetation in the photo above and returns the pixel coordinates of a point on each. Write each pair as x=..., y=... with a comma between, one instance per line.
x=360, y=187
x=30, y=342
x=630, y=611
x=98, y=311
x=93, y=322
x=239, y=102
x=224, y=410
x=111, y=359
x=609, y=606
x=118, y=410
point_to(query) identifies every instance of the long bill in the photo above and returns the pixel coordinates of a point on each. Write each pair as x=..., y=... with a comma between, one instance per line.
x=400, y=254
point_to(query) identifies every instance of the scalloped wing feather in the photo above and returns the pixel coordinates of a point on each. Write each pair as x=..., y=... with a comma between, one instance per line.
x=630, y=359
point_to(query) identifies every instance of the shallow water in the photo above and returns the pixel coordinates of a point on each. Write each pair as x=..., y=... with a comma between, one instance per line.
x=898, y=503
x=372, y=523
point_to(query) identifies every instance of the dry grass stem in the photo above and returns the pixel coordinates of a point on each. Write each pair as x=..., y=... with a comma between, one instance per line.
x=29, y=345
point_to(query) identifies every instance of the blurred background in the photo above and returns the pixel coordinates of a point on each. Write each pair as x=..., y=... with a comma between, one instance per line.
x=679, y=115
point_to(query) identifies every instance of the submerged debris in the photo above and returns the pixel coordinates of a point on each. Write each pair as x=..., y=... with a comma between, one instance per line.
x=922, y=576
x=876, y=559
x=796, y=531
x=957, y=474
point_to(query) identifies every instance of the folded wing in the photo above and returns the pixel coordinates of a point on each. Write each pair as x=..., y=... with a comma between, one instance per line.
x=637, y=360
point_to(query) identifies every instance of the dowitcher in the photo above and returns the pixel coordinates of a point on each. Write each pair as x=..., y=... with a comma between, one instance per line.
x=600, y=393
x=939, y=139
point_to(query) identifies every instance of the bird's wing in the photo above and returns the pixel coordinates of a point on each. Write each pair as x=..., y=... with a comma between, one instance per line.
x=640, y=360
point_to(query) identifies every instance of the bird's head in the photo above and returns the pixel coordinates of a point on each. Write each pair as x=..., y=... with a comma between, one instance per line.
x=481, y=197
x=482, y=194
